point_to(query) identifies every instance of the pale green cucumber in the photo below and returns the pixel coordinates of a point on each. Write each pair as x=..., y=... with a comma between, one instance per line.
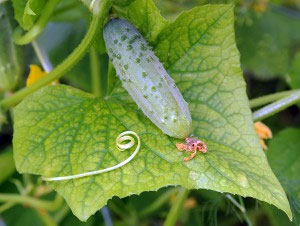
x=11, y=66
x=146, y=80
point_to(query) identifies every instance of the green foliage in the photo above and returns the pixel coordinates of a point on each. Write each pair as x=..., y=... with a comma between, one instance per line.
x=277, y=217
x=20, y=216
x=2, y=118
x=268, y=43
x=27, y=11
x=70, y=11
x=87, y=3
x=284, y=158
x=146, y=17
x=7, y=166
x=61, y=130
x=71, y=220
x=122, y=2
x=294, y=75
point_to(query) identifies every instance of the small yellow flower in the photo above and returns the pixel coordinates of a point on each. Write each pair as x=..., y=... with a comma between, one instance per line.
x=260, y=6
x=263, y=133
x=35, y=74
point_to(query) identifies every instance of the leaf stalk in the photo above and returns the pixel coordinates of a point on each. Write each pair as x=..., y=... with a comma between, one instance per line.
x=260, y=101
x=276, y=107
x=176, y=207
x=36, y=203
x=97, y=86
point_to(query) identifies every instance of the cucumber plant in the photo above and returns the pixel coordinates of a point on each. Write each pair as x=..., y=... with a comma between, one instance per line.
x=166, y=83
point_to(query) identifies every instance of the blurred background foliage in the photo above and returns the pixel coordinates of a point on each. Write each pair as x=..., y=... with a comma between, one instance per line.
x=268, y=37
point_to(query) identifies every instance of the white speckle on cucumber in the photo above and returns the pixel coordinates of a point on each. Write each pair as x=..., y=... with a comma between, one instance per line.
x=150, y=86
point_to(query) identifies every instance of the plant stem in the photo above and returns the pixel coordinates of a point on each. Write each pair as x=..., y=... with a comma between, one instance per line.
x=257, y=102
x=6, y=206
x=245, y=215
x=36, y=203
x=117, y=210
x=62, y=213
x=110, y=77
x=234, y=202
x=106, y=216
x=38, y=27
x=46, y=218
x=241, y=207
x=95, y=73
x=67, y=64
x=276, y=107
x=176, y=207
x=158, y=202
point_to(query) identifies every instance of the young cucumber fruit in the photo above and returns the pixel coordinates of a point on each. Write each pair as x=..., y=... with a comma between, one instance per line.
x=11, y=65
x=146, y=80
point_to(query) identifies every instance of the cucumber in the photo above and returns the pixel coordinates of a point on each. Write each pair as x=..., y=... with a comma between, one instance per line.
x=146, y=80
x=11, y=66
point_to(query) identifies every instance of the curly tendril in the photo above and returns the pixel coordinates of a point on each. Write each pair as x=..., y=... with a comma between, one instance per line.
x=120, y=145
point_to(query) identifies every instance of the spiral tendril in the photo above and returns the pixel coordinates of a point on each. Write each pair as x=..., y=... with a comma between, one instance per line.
x=120, y=145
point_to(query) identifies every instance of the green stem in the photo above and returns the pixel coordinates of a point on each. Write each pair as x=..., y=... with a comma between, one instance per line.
x=95, y=73
x=116, y=209
x=245, y=215
x=234, y=202
x=241, y=207
x=67, y=64
x=110, y=77
x=176, y=207
x=260, y=101
x=159, y=202
x=106, y=216
x=36, y=203
x=62, y=213
x=38, y=27
x=6, y=206
x=46, y=218
x=276, y=107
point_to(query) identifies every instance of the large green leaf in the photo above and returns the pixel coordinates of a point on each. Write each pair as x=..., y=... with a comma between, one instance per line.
x=61, y=130
x=284, y=158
